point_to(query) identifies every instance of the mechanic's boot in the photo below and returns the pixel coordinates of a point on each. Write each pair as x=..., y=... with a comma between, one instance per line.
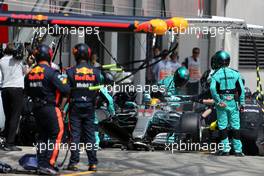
x=8, y=147
x=72, y=167
x=92, y=167
x=47, y=171
x=2, y=143
x=2, y=146
x=221, y=153
x=239, y=154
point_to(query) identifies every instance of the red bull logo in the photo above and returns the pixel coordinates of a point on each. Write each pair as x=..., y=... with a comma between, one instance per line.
x=21, y=16
x=39, y=17
x=37, y=70
x=84, y=71
x=36, y=73
x=84, y=78
x=36, y=77
x=29, y=17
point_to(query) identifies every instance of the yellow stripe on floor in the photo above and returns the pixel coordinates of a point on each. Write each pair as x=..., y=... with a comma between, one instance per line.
x=79, y=173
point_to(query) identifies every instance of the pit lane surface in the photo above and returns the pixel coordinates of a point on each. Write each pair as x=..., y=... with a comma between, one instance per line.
x=114, y=162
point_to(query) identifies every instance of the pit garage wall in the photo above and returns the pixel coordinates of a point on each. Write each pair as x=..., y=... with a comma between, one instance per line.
x=243, y=9
x=188, y=8
x=188, y=42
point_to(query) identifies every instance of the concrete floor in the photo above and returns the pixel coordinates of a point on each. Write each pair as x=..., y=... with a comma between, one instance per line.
x=114, y=162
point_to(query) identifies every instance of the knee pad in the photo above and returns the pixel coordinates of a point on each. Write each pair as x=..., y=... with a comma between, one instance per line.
x=235, y=134
x=223, y=134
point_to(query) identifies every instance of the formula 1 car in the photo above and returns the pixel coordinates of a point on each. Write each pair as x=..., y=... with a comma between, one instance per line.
x=140, y=126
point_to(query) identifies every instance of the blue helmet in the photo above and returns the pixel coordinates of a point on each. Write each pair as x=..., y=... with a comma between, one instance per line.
x=82, y=51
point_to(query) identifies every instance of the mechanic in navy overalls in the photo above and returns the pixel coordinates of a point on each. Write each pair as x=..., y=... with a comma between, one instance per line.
x=44, y=85
x=82, y=102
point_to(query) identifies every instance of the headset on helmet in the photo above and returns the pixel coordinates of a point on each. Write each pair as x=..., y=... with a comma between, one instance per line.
x=220, y=59
x=43, y=53
x=82, y=51
x=181, y=76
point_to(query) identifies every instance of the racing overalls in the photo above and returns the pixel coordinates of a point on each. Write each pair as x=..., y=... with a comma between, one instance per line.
x=168, y=83
x=44, y=85
x=82, y=111
x=225, y=84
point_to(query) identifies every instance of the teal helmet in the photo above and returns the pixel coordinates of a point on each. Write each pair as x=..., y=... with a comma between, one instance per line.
x=220, y=59
x=181, y=76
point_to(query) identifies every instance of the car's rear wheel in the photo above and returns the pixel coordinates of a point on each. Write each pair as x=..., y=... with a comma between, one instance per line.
x=190, y=124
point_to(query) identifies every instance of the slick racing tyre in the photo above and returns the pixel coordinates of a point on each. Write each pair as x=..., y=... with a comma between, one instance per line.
x=191, y=125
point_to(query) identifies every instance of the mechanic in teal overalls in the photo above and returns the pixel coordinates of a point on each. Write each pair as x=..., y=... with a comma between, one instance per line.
x=226, y=83
x=174, y=82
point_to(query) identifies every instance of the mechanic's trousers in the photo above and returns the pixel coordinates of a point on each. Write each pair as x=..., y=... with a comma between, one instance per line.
x=12, y=99
x=50, y=125
x=82, y=127
x=229, y=117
